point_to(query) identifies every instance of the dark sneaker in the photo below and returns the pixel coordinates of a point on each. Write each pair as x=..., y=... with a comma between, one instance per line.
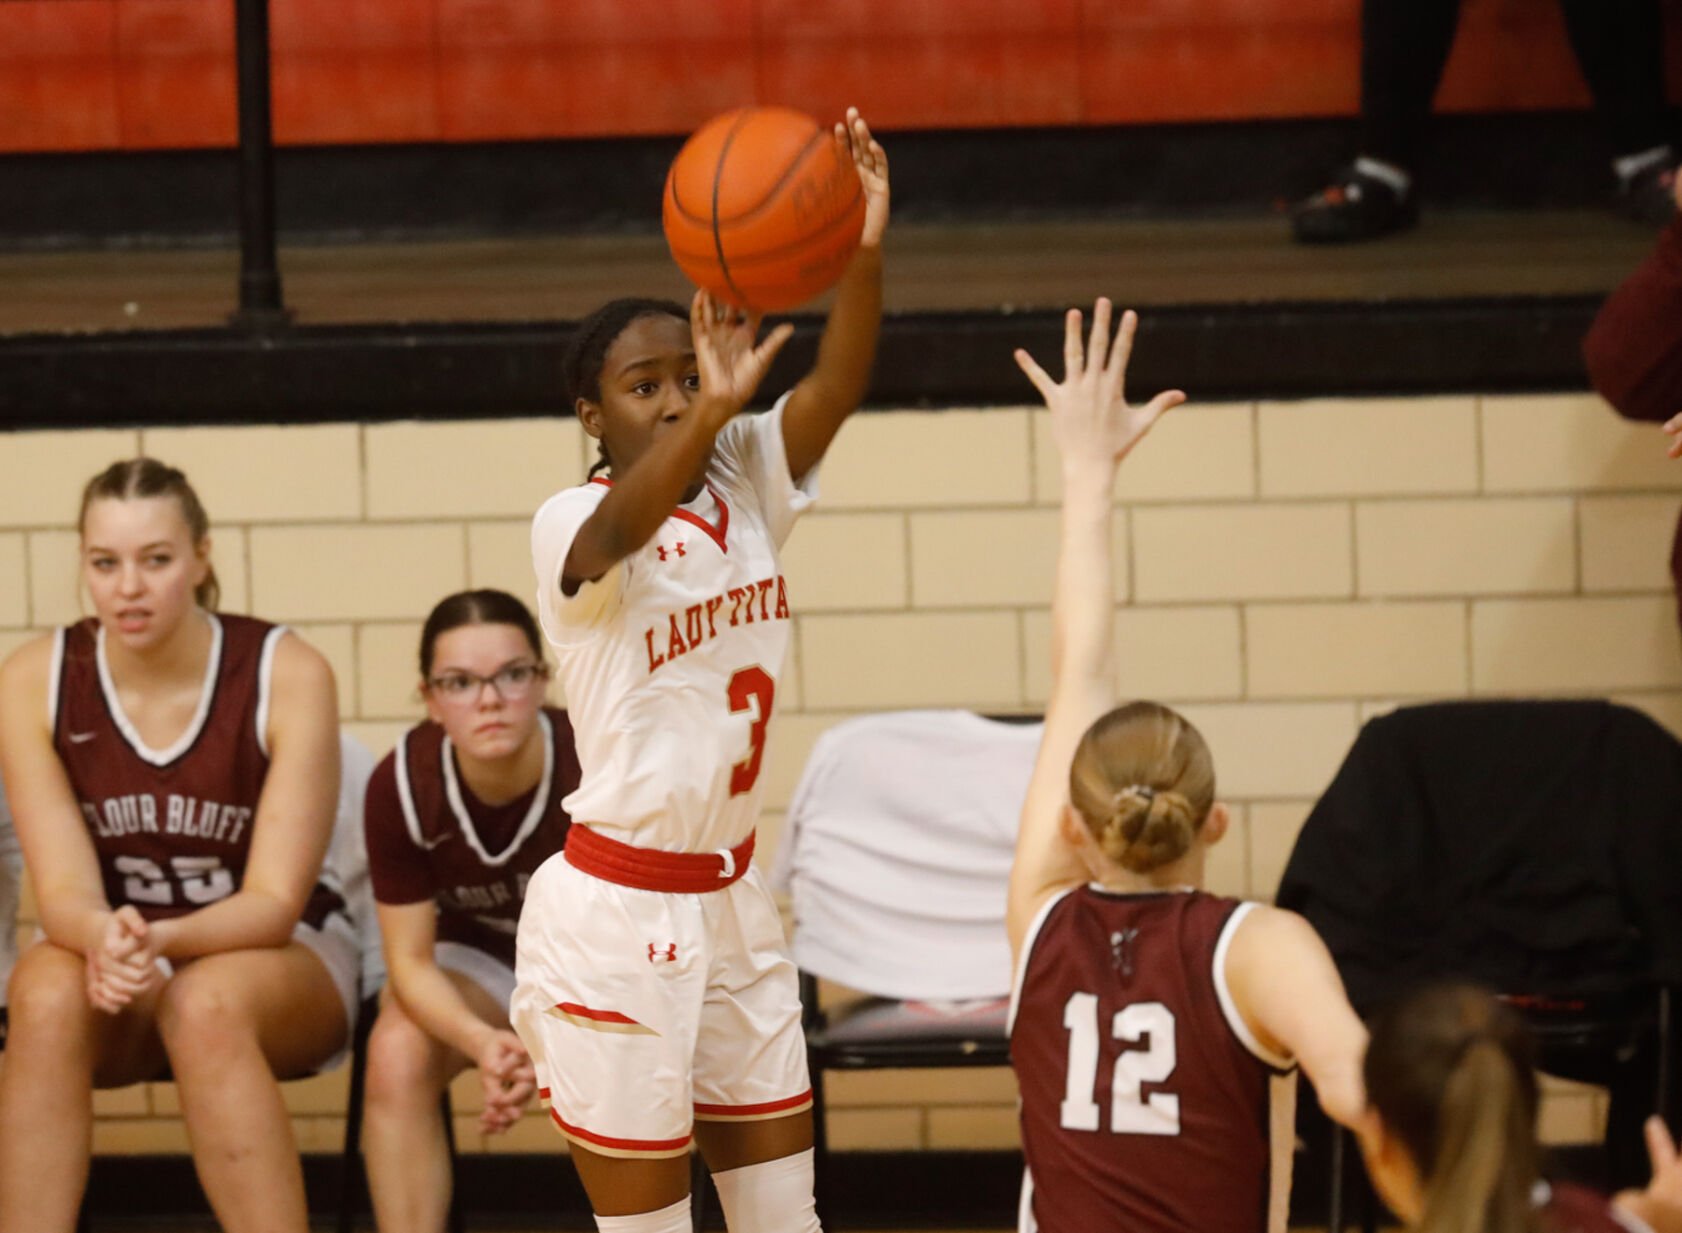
x=1353, y=207
x=1649, y=196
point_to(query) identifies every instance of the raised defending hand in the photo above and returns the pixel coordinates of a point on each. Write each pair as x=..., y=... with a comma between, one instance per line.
x=853, y=136
x=1660, y=1205
x=1673, y=430
x=731, y=364
x=1090, y=416
x=508, y=1079
x=123, y=966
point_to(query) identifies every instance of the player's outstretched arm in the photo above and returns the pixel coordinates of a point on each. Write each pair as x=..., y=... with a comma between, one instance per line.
x=1094, y=428
x=731, y=365
x=837, y=383
x=1287, y=988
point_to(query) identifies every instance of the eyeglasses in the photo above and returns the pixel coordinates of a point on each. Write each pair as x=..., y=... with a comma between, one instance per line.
x=510, y=682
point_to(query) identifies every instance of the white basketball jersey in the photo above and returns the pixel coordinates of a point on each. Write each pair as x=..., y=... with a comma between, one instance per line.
x=671, y=660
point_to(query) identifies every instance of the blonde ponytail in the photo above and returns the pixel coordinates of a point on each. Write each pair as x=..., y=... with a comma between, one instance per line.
x=1450, y=1071
x=1143, y=782
x=1486, y=1161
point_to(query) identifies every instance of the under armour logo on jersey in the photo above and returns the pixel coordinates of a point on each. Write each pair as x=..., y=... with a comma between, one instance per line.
x=1121, y=950
x=678, y=548
x=82, y=738
x=662, y=954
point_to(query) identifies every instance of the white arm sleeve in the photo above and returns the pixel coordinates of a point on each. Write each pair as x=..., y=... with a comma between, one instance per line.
x=570, y=618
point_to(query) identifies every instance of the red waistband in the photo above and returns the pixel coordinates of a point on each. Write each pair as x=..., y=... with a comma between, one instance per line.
x=681, y=873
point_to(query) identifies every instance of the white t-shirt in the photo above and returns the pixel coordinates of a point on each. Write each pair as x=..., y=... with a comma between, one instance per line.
x=670, y=661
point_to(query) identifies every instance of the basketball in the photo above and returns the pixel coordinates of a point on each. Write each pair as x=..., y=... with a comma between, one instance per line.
x=762, y=208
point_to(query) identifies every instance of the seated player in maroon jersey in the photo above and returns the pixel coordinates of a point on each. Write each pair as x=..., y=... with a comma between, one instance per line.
x=1153, y=1025
x=1450, y=1132
x=458, y=817
x=174, y=776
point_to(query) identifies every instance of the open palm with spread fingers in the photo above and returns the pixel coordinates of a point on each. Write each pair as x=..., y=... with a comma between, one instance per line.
x=1090, y=416
x=731, y=363
x=866, y=153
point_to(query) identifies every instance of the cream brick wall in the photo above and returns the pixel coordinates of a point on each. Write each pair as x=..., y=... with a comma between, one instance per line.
x=1284, y=572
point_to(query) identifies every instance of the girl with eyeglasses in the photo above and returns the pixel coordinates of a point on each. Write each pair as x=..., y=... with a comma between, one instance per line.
x=458, y=817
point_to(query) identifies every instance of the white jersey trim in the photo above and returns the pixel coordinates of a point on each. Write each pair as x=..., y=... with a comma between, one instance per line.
x=195, y=726
x=1229, y=1006
x=1025, y=1222
x=55, y=679
x=265, y=675
x=1022, y=960
x=534, y=815
x=406, y=796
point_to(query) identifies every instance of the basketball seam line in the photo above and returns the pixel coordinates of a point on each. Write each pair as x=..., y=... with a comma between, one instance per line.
x=783, y=250
x=718, y=239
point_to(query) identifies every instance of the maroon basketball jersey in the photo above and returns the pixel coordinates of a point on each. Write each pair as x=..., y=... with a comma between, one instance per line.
x=1573, y=1209
x=429, y=838
x=1146, y=1103
x=172, y=827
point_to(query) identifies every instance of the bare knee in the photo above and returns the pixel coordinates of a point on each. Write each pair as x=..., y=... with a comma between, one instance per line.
x=407, y=1067
x=202, y=1019
x=47, y=999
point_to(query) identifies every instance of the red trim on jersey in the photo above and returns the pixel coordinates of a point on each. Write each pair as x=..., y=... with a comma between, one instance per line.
x=623, y=1145
x=769, y=1106
x=681, y=873
x=600, y=1016
x=716, y=534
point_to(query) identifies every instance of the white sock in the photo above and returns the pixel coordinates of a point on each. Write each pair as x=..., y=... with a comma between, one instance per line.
x=1632, y=165
x=773, y=1197
x=1385, y=173
x=673, y=1219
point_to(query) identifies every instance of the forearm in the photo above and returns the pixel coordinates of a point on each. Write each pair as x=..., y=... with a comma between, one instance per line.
x=1082, y=653
x=847, y=350
x=74, y=920
x=248, y=919
x=432, y=1000
x=644, y=495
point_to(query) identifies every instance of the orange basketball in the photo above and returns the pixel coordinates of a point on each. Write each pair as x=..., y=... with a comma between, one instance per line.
x=762, y=208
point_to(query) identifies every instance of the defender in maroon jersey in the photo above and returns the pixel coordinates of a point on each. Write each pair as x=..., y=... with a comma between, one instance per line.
x=458, y=818
x=1151, y=1022
x=174, y=780
x=1450, y=1135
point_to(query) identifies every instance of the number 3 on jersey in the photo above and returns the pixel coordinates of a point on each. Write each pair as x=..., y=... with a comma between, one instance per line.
x=751, y=689
x=1131, y=1112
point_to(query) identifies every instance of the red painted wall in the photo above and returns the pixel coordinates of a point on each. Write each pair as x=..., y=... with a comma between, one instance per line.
x=149, y=74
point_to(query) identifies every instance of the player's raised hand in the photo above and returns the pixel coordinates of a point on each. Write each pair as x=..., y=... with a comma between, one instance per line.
x=1090, y=416
x=853, y=136
x=731, y=362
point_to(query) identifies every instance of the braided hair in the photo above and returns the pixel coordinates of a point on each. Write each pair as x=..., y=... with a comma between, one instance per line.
x=581, y=363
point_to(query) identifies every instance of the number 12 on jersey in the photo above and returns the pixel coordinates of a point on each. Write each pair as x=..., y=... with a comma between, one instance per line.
x=1131, y=1111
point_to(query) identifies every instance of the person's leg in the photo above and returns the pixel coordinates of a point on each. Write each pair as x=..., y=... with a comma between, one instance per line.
x=59, y=1047
x=631, y=1186
x=1404, y=46
x=1620, y=48
x=232, y=1023
x=763, y=1171
x=403, y=1140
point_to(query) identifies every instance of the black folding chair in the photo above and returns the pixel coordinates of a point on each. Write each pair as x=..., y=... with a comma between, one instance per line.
x=1531, y=846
